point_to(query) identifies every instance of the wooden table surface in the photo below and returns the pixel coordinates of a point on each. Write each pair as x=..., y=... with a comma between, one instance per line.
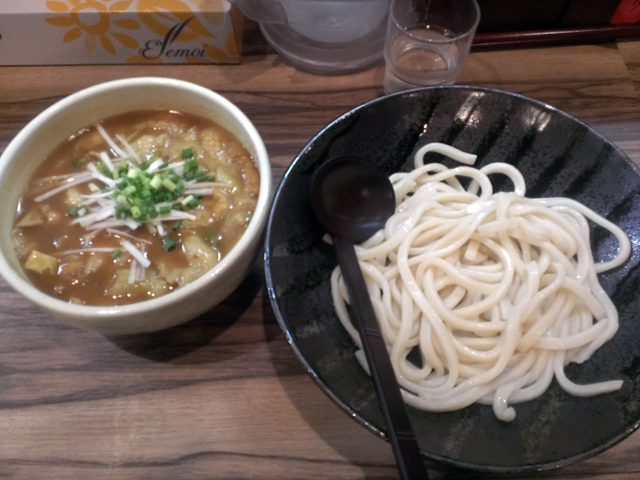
x=223, y=397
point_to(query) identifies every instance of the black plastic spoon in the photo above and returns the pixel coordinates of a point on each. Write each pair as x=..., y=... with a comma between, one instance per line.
x=353, y=199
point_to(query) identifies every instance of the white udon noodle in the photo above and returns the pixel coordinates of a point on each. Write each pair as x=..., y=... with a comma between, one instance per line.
x=499, y=292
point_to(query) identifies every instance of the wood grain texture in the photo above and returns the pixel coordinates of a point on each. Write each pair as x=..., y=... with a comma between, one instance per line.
x=223, y=397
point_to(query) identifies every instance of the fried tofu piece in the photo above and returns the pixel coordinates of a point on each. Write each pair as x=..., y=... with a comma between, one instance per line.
x=73, y=197
x=32, y=218
x=211, y=210
x=202, y=258
x=20, y=243
x=152, y=283
x=95, y=261
x=40, y=262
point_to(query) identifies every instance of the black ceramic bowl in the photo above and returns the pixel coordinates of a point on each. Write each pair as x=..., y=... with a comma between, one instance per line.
x=559, y=156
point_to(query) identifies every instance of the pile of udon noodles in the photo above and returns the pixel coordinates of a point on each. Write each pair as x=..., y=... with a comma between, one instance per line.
x=499, y=292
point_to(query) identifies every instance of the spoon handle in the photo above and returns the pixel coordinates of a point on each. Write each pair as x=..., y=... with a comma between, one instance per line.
x=405, y=447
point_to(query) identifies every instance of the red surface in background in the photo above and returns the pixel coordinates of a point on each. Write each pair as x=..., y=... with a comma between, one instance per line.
x=628, y=12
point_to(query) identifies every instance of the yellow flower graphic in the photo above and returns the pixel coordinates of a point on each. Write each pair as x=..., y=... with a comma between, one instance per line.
x=95, y=23
x=160, y=15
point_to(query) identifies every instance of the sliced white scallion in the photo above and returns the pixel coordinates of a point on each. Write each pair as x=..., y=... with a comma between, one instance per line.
x=116, y=149
x=176, y=215
x=198, y=191
x=133, y=266
x=91, y=205
x=195, y=183
x=54, y=178
x=137, y=254
x=141, y=273
x=132, y=224
x=98, y=194
x=173, y=166
x=104, y=156
x=72, y=182
x=97, y=175
x=106, y=202
x=88, y=238
x=109, y=224
x=97, y=216
x=155, y=166
x=128, y=148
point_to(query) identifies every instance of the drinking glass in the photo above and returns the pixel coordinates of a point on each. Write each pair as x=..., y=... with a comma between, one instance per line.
x=427, y=42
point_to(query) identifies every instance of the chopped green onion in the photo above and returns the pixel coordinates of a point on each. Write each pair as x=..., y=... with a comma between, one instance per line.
x=168, y=184
x=78, y=161
x=116, y=253
x=190, y=165
x=168, y=243
x=156, y=181
x=188, y=199
x=142, y=195
x=122, y=200
x=104, y=170
x=121, y=211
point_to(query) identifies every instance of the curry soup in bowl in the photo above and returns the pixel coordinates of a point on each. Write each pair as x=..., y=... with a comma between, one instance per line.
x=128, y=191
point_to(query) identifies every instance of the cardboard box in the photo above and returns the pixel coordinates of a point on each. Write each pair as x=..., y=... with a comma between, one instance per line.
x=72, y=32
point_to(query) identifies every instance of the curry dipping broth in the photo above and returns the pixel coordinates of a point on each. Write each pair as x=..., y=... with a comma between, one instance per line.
x=171, y=199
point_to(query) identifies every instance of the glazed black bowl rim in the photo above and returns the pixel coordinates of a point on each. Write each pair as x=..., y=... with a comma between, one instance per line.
x=274, y=304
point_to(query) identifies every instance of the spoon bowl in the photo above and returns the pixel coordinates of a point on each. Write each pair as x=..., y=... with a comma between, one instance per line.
x=352, y=197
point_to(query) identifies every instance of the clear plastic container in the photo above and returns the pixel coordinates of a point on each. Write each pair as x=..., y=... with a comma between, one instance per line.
x=327, y=37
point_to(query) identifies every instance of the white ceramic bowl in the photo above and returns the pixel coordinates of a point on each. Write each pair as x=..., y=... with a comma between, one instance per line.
x=83, y=108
